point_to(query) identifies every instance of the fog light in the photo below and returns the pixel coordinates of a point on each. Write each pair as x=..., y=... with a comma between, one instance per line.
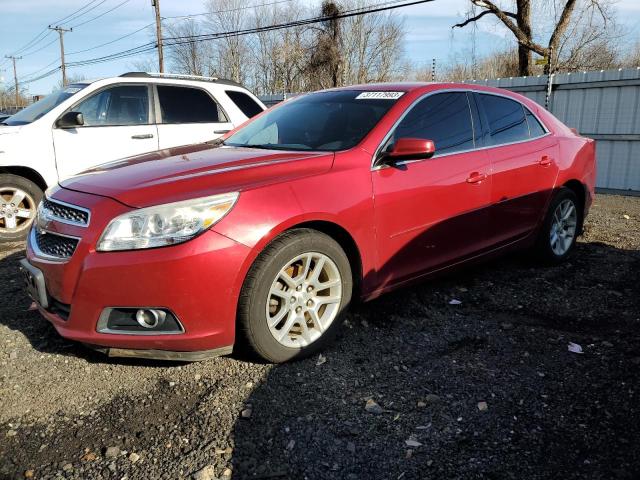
x=150, y=318
x=138, y=321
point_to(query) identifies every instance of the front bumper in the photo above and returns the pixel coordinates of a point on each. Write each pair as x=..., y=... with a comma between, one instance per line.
x=199, y=281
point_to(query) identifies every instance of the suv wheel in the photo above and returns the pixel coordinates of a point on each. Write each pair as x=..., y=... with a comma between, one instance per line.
x=19, y=200
x=294, y=297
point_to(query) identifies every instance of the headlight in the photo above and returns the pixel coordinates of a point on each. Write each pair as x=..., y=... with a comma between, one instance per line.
x=166, y=224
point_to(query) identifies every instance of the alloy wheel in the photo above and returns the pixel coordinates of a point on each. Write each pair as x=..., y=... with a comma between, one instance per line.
x=563, y=227
x=304, y=299
x=17, y=209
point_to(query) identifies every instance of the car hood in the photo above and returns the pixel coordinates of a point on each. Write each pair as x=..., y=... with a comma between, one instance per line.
x=188, y=172
x=9, y=129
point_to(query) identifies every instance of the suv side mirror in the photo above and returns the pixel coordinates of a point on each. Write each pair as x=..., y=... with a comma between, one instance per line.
x=409, y=149
x=70, y=120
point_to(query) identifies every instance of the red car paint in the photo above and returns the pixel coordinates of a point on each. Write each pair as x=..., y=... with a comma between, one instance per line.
x=397, y=225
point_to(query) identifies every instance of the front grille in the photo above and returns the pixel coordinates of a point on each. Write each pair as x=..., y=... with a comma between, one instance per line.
x=55, y=245
x=59, y=211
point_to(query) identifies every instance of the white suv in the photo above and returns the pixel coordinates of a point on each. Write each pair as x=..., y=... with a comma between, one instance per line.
x=90, y=123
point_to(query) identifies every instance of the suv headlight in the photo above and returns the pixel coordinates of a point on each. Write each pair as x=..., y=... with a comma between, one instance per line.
x=166, y=224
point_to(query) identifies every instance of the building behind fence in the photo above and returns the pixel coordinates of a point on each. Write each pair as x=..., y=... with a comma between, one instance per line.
x=602, y=105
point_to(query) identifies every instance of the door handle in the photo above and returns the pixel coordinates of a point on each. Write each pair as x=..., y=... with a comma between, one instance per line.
x=142, y=137
x=476, y=177
x=221, y=132
x=545, y=161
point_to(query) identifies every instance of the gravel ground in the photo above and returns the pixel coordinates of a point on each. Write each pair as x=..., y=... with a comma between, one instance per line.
x=414, y=387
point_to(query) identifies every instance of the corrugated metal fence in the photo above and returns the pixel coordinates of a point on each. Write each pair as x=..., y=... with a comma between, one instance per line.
x=602, y=105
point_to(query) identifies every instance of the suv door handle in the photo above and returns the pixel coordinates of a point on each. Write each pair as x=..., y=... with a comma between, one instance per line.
x=142, y=137
x=221, y=132
x=476, y=177
x=545, y=161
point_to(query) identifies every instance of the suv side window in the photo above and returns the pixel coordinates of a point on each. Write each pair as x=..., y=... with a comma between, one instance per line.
x=507, y=122
x=444, y=118
x=121, y=105
x=188, y=105
x=244, y=102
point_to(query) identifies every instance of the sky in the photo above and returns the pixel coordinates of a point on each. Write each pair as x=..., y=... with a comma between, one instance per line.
x=428, y=33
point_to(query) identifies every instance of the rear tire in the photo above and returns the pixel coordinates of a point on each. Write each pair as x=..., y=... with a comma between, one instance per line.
x=560, y=229
x=295, y=295
x=19, y=200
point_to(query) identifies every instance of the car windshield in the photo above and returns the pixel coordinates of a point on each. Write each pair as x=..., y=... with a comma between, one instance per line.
x=325, y=121
x=44, y=106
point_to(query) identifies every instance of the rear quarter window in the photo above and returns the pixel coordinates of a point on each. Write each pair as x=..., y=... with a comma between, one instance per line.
x=506, y=117
x=244, y=102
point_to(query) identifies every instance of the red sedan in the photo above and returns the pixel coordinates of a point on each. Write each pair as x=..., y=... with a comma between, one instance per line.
x=267, y=237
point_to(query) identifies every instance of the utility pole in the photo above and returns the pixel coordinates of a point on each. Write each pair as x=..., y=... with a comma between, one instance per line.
x=15, y=76
x=61, y=31
x=156, y=5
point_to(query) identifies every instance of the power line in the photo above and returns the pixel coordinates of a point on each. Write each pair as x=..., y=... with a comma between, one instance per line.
x=101, y=15
x=74, y=15
x=26, y=54
x=182, y=17
x=45, y=32
x=112, y=41
x=145, y=48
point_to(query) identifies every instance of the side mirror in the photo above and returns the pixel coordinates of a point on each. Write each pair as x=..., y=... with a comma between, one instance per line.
x=409, y=149
x=70, y=120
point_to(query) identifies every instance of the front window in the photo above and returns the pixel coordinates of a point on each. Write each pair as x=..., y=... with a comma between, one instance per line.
x=44, y=106
x=114, y=106
x=325, y=121
x=444, y=118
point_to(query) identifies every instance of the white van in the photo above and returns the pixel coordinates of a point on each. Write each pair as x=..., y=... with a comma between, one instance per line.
x=90, y=123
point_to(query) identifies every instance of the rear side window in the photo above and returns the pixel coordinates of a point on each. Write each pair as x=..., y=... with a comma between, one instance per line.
x=188, y=105
x=444, y=118
x=244, y=102
x=507, y=122
x=535, y=128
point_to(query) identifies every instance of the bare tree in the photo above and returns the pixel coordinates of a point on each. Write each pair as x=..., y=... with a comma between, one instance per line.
x=325, y=61
x=231, y=52
x=372, y=49
x=280, y=55
x=519, y=23
x=190, y=56
x=632, y=58
x=74, y=78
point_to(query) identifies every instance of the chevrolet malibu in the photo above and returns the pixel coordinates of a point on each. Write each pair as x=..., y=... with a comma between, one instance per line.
x=266, y=237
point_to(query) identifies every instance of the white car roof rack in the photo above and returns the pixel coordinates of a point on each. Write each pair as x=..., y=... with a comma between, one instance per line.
x=180, y=76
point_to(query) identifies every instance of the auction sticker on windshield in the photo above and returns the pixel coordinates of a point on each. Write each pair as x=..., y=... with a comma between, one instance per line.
x=379, y=95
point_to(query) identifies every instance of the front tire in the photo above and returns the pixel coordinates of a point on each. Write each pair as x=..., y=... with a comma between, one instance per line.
x=19, y=199
x=561, y=227
x=294, y=296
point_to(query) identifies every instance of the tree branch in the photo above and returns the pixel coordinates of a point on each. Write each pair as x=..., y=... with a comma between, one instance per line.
x=562, y=24
x=479, y=16
x=522, y=38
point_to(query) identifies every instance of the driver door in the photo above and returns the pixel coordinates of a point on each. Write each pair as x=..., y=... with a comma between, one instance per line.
x=117, y=124
x=430, y=213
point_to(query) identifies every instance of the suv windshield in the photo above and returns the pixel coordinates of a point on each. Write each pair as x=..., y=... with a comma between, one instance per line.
x=326, y=121
x=44, y=106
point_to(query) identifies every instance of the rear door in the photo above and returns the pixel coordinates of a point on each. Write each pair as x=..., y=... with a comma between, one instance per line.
x=188, y=115
x=524, y=166
x=117, y=124
x=432, y=212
